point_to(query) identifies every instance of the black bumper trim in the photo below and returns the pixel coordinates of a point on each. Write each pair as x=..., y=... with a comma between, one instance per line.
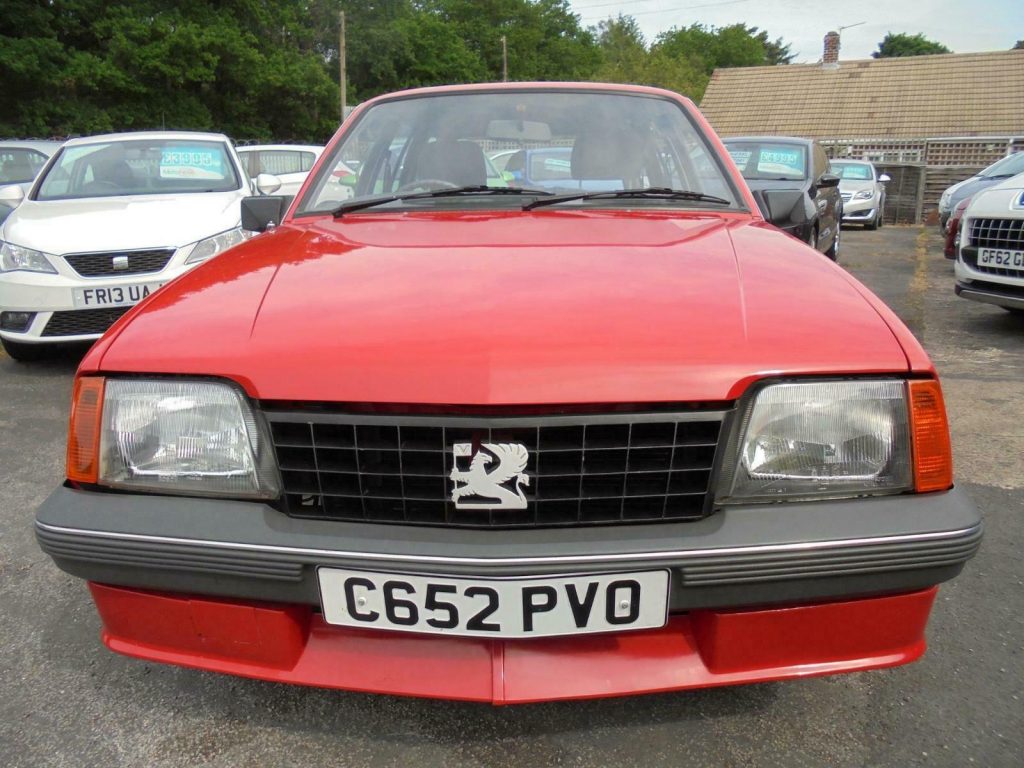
x=747, y=555
x=990, y=295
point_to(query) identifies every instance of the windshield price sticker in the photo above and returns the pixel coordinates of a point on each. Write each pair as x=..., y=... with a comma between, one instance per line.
x=776, y=159
x=191, y=163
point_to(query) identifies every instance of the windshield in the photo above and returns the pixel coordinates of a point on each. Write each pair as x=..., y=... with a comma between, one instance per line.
x=852, y=171
x=546, y=141
x=774, y=161
x=139, y=167
x=1008, y=166
x=19, y=165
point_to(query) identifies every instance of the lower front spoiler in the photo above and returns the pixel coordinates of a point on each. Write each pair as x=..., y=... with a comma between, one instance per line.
x=991, y=293
x=704, y=648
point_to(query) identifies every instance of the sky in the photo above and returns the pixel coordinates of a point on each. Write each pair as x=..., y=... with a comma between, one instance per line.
x=963, y=27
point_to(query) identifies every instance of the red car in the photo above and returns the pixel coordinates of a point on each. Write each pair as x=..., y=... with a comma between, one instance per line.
x=435, y=438
x=952, y=244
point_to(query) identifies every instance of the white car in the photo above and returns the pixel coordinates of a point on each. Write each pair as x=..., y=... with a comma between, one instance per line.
x=290, y=163
x=108, y=221
x=862, y=188
x=990, y=261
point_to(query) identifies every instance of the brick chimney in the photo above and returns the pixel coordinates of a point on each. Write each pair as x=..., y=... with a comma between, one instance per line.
x=830, y=58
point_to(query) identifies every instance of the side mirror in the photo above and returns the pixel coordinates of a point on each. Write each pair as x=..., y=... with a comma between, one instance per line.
x=884, y=178
x=828, y=180
x=267, y=183
x=781, y=207
x=12, y=195
x=264, y=212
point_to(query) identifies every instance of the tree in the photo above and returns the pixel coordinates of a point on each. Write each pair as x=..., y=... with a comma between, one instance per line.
x=1019, y=46
x=626, y=59
x=894, y=45
x=244, y=67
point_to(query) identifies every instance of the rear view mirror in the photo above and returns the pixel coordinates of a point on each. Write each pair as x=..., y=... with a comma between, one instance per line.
x=884, y=178
x=12, y=195
x=781, y=207
x=264, y=212
x=267, y=183
x=518, y=130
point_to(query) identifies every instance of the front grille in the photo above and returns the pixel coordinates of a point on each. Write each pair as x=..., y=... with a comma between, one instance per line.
x=102, y=264
x=80, y=322
x=998, y=233
x=582, y=470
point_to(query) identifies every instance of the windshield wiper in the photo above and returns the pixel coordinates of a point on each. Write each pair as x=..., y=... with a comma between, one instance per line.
x=646, y=193
x=478, y=189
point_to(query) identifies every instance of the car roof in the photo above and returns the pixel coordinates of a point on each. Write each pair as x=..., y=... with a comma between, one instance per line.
x=775, y=139
x=46, y=147
x=262, y=147
x=142, y=135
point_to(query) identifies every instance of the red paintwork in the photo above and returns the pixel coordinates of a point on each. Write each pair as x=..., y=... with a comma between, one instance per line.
x=701, y=649
x=510, y=308
x=507, y=308
x=954, y=227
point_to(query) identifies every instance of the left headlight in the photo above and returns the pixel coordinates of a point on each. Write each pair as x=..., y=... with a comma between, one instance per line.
x=183, y=437
x=822, y=440
x=864, y=194
x=15, y=257
x=211, y=246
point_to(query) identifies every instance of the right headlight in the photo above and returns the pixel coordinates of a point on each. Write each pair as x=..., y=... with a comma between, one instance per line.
x=822, y=440
x=15, y=257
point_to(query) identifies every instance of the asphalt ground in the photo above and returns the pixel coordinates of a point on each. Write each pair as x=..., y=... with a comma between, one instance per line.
x=66, y=701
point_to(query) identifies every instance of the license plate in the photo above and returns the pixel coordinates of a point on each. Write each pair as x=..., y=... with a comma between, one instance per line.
x=996, y=257
x=534, y=607
x=113, y=296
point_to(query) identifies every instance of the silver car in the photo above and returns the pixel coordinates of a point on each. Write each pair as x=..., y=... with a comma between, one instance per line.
x=862, y=188
x=21, y=162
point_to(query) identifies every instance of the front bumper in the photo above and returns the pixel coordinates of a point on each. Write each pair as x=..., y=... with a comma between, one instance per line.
x=1002, y=290
x=758, y=592
x=292, y=644
x=45, y=294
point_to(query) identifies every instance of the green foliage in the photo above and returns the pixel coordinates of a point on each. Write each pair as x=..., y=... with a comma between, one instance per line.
x=244, y=67
x=268, y=69
x=907, y=45
x=682, y=59
x=1019, y=46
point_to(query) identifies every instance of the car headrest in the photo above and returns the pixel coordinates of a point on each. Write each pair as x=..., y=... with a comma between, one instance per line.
x=607, y=152
x=458, y=162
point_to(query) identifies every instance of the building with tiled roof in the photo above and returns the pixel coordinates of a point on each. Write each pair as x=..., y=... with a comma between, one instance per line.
x=946, y=95
x=936, y=119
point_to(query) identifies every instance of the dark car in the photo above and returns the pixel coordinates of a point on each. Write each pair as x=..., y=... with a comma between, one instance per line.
x=809, y=206
x=999, y=171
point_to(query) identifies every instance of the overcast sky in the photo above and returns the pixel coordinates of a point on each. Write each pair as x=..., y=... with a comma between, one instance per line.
x=962, y=26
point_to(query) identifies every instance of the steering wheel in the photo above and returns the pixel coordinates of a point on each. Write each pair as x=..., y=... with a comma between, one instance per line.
x=425, y=185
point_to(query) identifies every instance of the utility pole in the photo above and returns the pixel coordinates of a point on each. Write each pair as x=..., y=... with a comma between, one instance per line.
x=341, y=64
x=504, y=59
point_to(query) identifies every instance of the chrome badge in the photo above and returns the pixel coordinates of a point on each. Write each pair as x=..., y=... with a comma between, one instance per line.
x=119, y=263
x=499, y=488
